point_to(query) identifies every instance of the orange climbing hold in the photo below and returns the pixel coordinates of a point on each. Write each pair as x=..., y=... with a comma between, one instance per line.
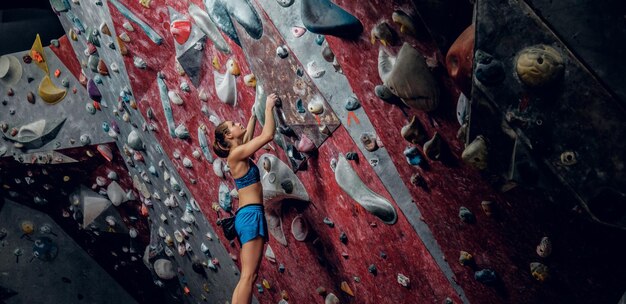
x=37, y=56
x=346, y=288
x=57, y=73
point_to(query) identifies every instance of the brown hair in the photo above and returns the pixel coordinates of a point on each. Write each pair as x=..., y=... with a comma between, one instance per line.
x=220, y=146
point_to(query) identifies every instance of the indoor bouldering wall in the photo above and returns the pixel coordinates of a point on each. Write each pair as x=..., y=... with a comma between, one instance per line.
x=377, y=187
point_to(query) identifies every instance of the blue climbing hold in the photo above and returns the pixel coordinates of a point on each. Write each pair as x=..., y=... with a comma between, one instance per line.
x=324, y=17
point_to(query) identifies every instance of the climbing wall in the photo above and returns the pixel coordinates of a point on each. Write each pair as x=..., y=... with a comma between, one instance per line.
x=373, y=192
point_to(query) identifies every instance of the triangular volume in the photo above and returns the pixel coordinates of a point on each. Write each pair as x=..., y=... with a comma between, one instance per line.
x=39, y=58
x=191, y=61
x=190, y=53
x=93, y=206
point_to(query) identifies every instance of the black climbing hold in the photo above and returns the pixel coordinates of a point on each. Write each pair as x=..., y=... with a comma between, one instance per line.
x=329, y=222
x=343, y=237
x=372, y=269
x=352, y=156
x=324, y=17
x=485, y=276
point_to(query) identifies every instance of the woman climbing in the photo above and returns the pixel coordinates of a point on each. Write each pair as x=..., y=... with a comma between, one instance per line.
x=237, y=145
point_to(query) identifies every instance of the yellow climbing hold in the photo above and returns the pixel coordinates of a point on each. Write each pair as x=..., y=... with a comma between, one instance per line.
x=346, y=288
x=216, y=63
x=66, y=178
x=28, y=227
x=266, y=284
x=36, y=51
x=145, y=3
x=49, y=92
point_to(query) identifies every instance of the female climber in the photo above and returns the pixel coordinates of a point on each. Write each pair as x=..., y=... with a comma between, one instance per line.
x=237, y=145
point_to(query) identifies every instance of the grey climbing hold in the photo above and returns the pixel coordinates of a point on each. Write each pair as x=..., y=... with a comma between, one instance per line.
x=203, y=21
x=352, y=103
x=466, y=215
x=85, y=139
x=116, y=194
x=181, y=132
x=352, y=184
x=134, y=141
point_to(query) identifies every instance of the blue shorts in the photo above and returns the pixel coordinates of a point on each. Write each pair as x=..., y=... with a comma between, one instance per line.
x=250, y=222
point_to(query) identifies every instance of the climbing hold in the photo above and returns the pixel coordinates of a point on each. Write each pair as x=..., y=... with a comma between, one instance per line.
x=219, y=14
x=324, y=17
x=327, y=53
x=352, y=103
x=460, y=59
x=314, y=70
x=476, y=153
x=203, y=21
x=152, y=34
x=299, y=228
x=413, y=132
x=411, y=80
x=432, y=148
x=225, y=87
x=224, y=197
x=102, y=68
x=49, y=92
x=488, y=71
x=274, y=193
x=539, y=65
x=246, y=15
x=249, y=80
x=175, y=98
x=485, y=276
x=30, y=97
x=462, y=109
x=85, y=139
x=305, y=145
x=134, y=141
x=465, y=258
x=386, y=63
x=488, y=207
x=539, y=271
x=184, y=86
x=164, y=269
x=372, y=269
x=329, y=222
x=369, y=142
x=187, y=163
x=115, y=193
x=104, y=29
x=405, y=21
x=285, y=3
x=167, y=108
x=139, y=62
x=403, y=280
x=331, y=298
x=35, y=134
x=282, y=52
x=413, y=156
x=383, y=32
x=180, y=29
x=466, y=215
x=297, y=31
x=346, y=288
x=544, y=248
x=120, y=42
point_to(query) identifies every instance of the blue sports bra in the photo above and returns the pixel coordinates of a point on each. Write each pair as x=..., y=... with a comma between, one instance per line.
x=251, y=177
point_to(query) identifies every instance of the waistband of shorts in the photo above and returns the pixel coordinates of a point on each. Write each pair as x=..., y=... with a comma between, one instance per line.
x=251, y=207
